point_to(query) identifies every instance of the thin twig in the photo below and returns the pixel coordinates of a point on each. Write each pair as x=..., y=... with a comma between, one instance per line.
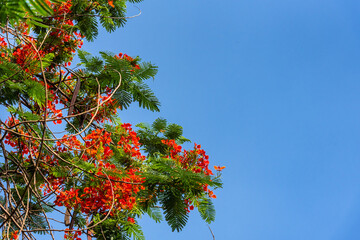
x=211, y=232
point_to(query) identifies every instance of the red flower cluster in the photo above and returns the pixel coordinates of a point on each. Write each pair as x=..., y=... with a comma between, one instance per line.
x=97, y=145
x=132, y=61
x=194, y=160
x=189, y=207
x=107, y=110
x=53, y=111
x=106, y=192
x=70, y=235
x=129, y=142
x=3, y=44
x=102, y=196
x=67, y=39
x=131, y=220
x=111, y=3
x=14, y=235
x=13, y=141
x=26, y=56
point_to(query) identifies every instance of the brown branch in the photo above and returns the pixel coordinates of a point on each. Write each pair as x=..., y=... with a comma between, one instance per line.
x=211, y=232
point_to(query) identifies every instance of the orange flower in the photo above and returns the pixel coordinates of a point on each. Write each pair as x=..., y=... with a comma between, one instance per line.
x=218, y=168
x=111, y=3
x=14, y=235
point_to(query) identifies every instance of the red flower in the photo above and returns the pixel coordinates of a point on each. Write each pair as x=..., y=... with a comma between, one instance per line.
x=111, y=3
x=218, y=168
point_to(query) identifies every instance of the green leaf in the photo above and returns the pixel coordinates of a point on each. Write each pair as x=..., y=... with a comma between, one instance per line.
x=47, y=60
x=174, y=209
x=39, y=24
x=173, y=131
x=143, y=125
x=206, y=209
x=40, y=6
x=93, y=64
x=134, y=231
x=35, y=91
x=59, y=172
x=159, y=124
x=124, y=98
x=155, y=214
x=145, y=97
x=24, y=115
x=182, y=140
x=146, y=71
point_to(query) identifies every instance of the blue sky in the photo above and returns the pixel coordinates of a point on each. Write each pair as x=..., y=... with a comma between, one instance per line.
x=271, y=90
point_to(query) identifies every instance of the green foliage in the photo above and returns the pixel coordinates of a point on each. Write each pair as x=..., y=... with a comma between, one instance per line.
x=133, y=89
x=134, y=231
x=108, y=71
x=118, y=228
x=206, y=209
x=155, y=214
x=146, y=71
x=23, y=115
x=166, y=172
x=9, y=90
x=92, y=64
x=110, y=18
x=86, y=22
x=144, y=96
x=174, y=183
x=35, y=91
x=124, y=98
x=174, y=209
x=15, y=10
x=110, y=24
x=159, y=124
x=151, y=137
x=20, y=84
x=37, y=11
x=173, y=131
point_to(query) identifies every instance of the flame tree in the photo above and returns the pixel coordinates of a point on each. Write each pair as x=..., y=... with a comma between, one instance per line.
x=63, y=149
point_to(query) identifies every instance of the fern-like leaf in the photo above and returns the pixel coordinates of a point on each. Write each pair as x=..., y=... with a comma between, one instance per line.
x=174, y=209
x=155, y=214
x=206, y=209
x=145, y=97
x=173, y=131
x=159, y=124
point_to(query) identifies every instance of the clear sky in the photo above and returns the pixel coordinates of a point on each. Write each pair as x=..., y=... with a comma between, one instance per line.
x=271, y=90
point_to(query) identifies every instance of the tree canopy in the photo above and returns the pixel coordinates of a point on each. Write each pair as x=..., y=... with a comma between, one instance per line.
x=64, y=150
